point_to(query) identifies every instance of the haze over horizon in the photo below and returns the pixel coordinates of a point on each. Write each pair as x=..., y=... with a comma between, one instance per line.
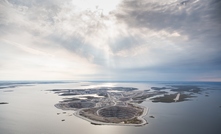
x=127, y=40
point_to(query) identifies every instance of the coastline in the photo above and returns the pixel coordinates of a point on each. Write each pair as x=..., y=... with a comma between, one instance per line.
x=141, y=117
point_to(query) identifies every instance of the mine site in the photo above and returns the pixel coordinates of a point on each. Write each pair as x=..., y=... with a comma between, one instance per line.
x=119, y=105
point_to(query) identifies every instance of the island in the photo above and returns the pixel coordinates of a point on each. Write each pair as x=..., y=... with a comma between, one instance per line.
x=107, y=105
x=3, y=102
x=119, y=105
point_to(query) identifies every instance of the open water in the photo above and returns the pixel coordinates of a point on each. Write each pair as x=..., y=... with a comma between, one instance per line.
x=31, y=110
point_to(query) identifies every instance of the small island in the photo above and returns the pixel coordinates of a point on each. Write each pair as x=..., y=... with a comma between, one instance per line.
x=3, y=102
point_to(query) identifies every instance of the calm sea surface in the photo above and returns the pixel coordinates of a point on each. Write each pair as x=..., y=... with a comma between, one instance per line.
x=31, y=111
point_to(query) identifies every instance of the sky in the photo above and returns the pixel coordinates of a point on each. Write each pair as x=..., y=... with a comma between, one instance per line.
x=117, y=40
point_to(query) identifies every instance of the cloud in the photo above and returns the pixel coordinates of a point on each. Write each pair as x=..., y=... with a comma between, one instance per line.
x=143, y=39
x=194, y=18
x=190, y=25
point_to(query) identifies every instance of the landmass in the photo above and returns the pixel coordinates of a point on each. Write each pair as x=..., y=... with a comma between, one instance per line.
x=159, y=88
x=186, y=88
x=3, y=102
x=119, y=105
x=151, y=116
x=170, y=98
x=182, y=93
x=107, y=105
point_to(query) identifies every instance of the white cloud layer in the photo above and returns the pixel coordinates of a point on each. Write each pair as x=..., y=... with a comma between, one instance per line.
x=117, y=40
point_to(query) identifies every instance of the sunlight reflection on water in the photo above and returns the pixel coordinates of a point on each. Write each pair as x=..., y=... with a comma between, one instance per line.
x=31, y=110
